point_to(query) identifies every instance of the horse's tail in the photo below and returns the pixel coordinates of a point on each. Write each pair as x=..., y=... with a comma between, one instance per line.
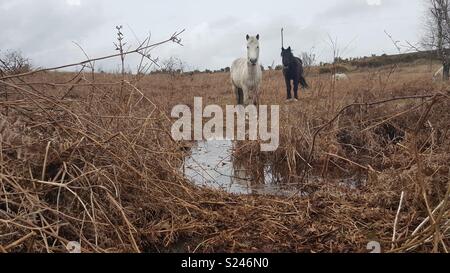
x=303, y=82
x=302, y=77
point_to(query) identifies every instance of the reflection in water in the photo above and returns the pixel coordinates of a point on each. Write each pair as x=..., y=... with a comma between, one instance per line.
x=211, y=164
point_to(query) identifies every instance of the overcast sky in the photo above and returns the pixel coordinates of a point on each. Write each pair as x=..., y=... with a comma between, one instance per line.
x=45, y=30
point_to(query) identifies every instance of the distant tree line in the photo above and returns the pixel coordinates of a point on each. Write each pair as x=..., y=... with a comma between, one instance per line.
x=383, y=60
x=13, y=62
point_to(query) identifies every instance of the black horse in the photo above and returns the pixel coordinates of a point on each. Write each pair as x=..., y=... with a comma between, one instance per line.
x=292, y=71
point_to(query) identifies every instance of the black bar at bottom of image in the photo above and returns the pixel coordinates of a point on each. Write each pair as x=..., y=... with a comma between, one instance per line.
x=217, y=262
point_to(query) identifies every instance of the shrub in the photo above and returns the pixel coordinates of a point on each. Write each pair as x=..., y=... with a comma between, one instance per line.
x=13, y=62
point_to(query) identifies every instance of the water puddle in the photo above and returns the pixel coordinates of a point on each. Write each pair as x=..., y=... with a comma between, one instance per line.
x=211, y=164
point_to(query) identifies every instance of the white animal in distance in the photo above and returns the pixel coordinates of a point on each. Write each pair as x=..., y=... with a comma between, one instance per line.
x=246, y=74
x=339, y=77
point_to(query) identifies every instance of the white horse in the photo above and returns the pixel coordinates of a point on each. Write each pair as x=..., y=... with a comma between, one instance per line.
x=339, y=77
x=246, y=74
x=439, y=74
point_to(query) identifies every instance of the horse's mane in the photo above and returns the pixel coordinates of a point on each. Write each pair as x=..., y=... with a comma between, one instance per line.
x=288, y=51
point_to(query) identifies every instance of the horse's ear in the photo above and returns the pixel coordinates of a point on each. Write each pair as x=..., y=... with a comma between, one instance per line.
x=289, y=48
x=257, y=37
x=248, y=37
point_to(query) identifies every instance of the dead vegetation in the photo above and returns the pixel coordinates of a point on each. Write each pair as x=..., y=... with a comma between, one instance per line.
x=390, y=133
x=89, y=158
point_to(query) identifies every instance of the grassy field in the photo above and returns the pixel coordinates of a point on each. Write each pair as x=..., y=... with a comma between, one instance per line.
x=89, y=158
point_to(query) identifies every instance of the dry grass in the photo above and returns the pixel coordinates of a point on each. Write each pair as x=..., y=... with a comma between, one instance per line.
x=79, y=164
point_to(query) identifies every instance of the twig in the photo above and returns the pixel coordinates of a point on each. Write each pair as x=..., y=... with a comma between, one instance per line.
x=394, y=235
x=352, y=162
x=174, y=38
x=316, y=133
x=21, y=240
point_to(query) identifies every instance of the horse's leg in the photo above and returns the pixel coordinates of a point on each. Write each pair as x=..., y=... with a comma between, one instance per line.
x=303, y=82
x=288, y=88
x=256, y=96
x=239, y=95
x=236, y=92
x=245, y=92
x=296, y=81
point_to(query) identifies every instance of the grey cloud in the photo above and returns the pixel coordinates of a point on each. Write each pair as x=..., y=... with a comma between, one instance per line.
x=215, y=31
x=217, y=44
x=349, y=8
x=49, y=25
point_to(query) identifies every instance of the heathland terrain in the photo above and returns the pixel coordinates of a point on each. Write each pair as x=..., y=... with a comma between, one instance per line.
x=89, y=158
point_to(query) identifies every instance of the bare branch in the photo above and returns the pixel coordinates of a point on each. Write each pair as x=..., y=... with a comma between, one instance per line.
x=174, y=38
